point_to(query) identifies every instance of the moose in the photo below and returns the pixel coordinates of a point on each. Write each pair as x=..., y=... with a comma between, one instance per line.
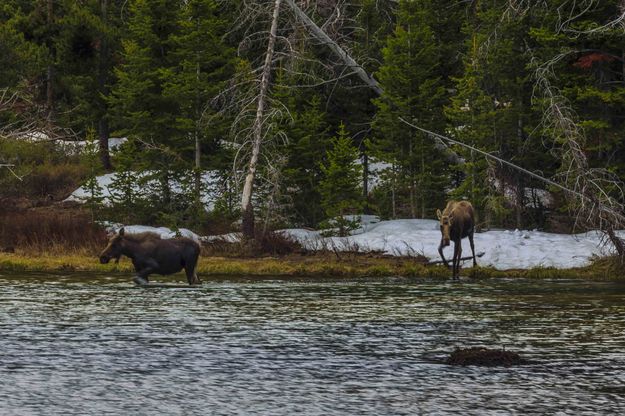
x=457, y=221
x=152, y=254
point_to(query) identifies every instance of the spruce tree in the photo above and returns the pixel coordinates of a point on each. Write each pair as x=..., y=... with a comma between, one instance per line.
x=143, y=112
x=413, y=90
x=339, y=188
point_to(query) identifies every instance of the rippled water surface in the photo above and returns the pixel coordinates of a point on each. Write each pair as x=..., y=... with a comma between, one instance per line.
x=87, y=344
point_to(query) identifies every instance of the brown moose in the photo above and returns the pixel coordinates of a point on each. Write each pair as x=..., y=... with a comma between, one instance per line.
x=457, y=222
x=151, y=254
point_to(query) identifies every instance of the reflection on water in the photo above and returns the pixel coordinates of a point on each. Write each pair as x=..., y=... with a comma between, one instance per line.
x=74, y=345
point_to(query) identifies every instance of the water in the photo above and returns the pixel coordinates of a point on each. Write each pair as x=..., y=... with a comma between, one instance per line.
x=87, y=344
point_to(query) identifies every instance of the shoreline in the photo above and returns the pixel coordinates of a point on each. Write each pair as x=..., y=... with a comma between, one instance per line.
x=309, y=266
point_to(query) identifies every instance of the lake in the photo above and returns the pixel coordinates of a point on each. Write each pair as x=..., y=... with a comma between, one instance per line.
x=76, y=344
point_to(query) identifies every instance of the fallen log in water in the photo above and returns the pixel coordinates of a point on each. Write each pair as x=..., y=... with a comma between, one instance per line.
x=487, y=357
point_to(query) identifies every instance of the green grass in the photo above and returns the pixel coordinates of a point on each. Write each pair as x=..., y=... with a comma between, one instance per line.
x=310, y=266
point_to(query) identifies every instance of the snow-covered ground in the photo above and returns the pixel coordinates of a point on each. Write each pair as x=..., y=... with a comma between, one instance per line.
x=503, y=249
x=105, y=182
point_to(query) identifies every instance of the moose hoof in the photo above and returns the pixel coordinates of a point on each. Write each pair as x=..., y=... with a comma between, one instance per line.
x=140, y=281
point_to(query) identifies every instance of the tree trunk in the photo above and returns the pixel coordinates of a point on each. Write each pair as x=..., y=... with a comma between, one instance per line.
x=103, y=68
x=365, y=182
x=103, y=143
x=246, y=200
x=520, y=185
x=50, y=68
x=197, y=132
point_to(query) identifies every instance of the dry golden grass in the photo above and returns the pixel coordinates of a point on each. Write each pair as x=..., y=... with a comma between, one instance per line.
x=304, y=266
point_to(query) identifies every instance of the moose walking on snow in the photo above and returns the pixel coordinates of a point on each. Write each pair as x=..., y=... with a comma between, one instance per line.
x=457, y=222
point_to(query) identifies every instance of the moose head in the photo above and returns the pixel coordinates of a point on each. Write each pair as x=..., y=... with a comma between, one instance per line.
x=445, y=226
x=114, y=248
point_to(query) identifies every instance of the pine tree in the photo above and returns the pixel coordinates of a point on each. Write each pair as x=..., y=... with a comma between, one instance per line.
x=143, y=111
x=21, y=60
x=306, y=130
x=95, y=195
x=200, y=64
x=339, y=188
x=413, y=90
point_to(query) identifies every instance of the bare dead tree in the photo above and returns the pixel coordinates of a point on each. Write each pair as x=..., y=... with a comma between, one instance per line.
x=28, y=119
x=257, y=127
x=568, y=12
x=598, y=194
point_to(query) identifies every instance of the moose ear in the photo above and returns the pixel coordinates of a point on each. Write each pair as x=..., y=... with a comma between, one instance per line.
x=439, y=214
x=121, y=232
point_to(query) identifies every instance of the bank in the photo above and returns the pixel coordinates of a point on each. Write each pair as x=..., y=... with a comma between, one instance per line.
x=319, y=266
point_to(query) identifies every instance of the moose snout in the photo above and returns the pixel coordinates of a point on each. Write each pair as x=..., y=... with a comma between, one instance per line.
x=104, y=259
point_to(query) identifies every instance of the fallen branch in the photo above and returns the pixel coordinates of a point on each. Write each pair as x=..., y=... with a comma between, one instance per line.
x=9, y=167
x=480, y=254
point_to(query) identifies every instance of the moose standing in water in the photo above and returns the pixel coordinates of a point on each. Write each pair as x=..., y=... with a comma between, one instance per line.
x=457, y=222
x=151, y=254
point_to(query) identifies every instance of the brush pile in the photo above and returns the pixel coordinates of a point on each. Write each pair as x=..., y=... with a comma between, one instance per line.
x=486, y=357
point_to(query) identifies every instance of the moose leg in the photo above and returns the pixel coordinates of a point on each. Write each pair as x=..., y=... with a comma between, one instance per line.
x=472, y=248
x=189, y=270
x=143, y=271
x=457, y=256
x=190, y=265
x=440, y=251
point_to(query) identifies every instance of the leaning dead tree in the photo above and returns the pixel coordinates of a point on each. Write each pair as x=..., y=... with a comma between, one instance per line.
x=257, y=127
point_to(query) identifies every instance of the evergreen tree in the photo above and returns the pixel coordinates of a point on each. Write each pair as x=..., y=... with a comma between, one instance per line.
x=143, y=112
x=306, y=129
x=413, y=90
x=339, y=188
x=473, y=117
x=21, y=61
x=200, y=65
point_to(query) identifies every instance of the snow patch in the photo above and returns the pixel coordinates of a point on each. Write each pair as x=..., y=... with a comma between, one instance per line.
x=82, y=194
x=504, y=249
x=164, y=232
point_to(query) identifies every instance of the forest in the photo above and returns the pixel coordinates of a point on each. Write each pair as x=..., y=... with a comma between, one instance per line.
x=272, y=114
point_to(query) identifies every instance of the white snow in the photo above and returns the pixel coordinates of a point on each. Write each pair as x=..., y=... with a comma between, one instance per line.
x=114, y=143
x=164, y=232
x=503, y=249
x=82, y=194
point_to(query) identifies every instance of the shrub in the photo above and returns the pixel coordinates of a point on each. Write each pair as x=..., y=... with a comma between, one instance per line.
x=54, y=181
x=43, y=231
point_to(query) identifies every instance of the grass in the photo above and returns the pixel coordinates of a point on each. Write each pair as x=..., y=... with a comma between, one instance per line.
x=309, y=266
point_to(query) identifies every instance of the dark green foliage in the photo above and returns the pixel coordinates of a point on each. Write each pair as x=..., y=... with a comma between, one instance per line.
x=414, y=90
x=151, y=69
x=339, y=188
